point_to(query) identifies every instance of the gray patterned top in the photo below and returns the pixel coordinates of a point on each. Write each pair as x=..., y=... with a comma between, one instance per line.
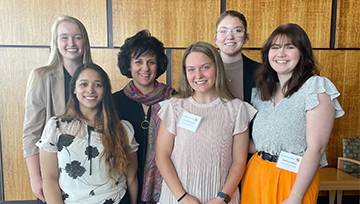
x=283, y=127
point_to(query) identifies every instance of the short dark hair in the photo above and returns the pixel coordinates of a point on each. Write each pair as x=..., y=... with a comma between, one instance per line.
x=137, y=45
x=266, y=78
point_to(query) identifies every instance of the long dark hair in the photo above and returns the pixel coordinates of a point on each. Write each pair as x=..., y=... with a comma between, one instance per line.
x=113, y=135
x=266, y=78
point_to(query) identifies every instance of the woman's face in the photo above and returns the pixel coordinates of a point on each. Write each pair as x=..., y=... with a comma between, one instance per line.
x=70, y=42
x=231, y=36
x=200, y=73
x=283, y=56
x=89, y=91
x=143, y=71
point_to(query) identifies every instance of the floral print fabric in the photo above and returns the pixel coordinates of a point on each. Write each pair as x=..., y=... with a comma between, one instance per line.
x=83, y=175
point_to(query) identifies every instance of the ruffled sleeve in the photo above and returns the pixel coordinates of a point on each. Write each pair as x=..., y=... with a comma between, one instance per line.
x=49, y=138
x=167, y=115
x=245, y=114
x=317, y=85
x=130, y=133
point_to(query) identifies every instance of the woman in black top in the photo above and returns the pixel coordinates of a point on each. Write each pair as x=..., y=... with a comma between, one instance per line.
x=142, y=58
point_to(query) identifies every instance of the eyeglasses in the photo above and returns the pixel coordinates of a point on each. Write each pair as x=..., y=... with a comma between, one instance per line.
x=237, y=32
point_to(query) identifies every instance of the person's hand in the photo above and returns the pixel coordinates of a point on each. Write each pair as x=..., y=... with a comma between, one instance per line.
x=36, y=188
x=189, y=199
x=216, y=200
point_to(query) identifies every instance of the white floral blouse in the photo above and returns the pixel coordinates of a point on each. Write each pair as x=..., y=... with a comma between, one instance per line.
x=83, y=175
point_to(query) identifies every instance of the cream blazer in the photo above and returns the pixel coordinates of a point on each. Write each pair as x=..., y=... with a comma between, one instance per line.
x=45, y=100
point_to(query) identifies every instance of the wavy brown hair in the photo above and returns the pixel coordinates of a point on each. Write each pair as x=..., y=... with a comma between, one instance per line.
x=221, y=85
x=113, y=134
x=265, y=76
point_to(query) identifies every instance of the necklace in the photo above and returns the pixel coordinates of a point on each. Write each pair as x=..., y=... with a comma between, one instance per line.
x=230, y=79
x=145, y=123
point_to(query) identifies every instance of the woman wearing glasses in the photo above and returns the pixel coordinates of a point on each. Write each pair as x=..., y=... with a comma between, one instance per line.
x=231, y=35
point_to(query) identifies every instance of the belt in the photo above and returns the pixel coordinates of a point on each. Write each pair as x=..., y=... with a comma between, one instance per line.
x=267, y=156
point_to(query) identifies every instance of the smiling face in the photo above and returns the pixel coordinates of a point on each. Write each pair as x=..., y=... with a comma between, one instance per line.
x=230, y=44
x=143, y=72
x=89, y=91
x=70, y=42
x=283, y=57
x=201, y=73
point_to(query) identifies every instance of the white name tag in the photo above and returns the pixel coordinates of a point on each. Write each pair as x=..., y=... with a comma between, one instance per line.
x=289, y=162
x=189, y=121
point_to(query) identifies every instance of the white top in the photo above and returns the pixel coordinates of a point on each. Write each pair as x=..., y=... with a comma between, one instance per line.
x=283, y=127
x=202, y=159
x=72, y=144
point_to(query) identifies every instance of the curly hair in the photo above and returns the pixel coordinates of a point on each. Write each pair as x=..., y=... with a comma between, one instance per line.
x=136, y=46
x=113, y=134
x=266, y=77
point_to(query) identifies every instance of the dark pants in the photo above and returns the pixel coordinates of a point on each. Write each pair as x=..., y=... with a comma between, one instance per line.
x=40, y=202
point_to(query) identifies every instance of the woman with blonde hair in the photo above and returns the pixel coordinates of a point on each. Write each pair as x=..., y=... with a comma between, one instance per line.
x=48, y=87
x=203, y=137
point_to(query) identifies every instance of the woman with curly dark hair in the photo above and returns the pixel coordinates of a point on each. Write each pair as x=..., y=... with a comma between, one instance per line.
x=88, y=154
x=142, y=58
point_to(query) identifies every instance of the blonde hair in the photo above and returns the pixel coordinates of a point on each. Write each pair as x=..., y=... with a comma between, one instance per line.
x=221, y=85
x=55, y=58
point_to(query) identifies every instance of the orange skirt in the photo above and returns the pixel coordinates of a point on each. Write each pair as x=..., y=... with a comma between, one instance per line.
x=264, y=183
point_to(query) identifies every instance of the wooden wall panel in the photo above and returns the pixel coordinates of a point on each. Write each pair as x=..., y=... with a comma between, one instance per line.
x=348, y=22
x=13, y=78
x=342, y=68
x=31, y=20
x=177, y=23
x=107, y=59
x=253, y=54
x=177, y=56
x=264, y=16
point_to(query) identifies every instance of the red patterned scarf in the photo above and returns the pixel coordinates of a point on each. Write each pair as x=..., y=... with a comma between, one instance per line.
x=151, y=188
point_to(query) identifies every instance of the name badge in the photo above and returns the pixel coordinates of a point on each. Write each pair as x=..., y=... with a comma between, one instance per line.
x=289, y=162
x=189, y=121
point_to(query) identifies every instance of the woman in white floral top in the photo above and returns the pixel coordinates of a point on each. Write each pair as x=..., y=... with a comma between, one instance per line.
x=88, y=155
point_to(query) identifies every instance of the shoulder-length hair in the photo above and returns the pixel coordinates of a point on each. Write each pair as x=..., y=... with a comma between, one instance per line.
x=55, y=57
x=221, y=85
x=265, y=76
x=113, y=134
x=137, y=45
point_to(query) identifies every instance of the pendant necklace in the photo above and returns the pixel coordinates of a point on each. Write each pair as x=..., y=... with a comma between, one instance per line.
x=145, y=123
x=230, y=79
